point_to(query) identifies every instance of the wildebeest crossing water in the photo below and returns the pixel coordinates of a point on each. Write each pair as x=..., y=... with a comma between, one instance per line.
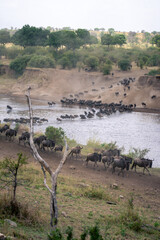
x=139, y=130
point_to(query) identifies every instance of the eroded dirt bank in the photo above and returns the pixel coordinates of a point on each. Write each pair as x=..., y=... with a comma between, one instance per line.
x=54, y=84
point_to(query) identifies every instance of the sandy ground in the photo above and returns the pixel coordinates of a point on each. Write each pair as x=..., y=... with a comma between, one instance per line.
x=54, y=84
x=145, y=188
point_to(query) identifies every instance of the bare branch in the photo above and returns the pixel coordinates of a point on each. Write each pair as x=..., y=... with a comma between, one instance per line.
x=45, y=167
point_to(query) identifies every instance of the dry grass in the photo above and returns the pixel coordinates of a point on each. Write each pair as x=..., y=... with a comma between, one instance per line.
x=80, y=205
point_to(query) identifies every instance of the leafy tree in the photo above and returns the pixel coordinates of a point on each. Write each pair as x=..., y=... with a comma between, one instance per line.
x=124, y=64
x=156, y=40
x=83, y=35
x=93, y=39
x=132, y=37
x=41, y=62
x=107, y=39
x=9, y=172
x=4, y=37
x=92, y=62
x=55, y=134
x=30, y=36
x=55, y=39
x=69, y=39
x=119, y=39
x=19, y=64
x=147, y=37
x=111, y=31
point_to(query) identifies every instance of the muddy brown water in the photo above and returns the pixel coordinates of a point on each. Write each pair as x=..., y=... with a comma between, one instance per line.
x=128, y=130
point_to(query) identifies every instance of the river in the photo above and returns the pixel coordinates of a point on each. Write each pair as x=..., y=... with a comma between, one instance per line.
x=138, y=130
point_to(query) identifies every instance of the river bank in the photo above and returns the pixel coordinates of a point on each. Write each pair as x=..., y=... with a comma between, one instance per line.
x=55, y=84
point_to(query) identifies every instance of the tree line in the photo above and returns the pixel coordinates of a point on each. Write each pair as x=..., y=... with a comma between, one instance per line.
x=70, y=49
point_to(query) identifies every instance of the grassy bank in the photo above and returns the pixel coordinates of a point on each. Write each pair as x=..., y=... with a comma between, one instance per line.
x=81, y=204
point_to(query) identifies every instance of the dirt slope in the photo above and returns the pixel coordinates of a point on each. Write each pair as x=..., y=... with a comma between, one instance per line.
x=53, y=84
x=145, y=194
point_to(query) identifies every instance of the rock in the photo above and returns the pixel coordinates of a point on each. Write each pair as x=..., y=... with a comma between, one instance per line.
x=72, y=167
x=112, y=203
x=2, y=237
x=115, y=186
x=83, y=185
x=13, y=224
x=121, y=196
x=64, y=214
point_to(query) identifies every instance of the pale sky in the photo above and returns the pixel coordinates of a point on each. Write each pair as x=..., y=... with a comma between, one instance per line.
x=122, y=15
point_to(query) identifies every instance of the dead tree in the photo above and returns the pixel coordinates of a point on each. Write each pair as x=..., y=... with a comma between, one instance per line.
x=46, y=168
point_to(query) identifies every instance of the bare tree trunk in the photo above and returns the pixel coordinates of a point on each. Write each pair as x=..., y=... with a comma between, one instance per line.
x=45, y=167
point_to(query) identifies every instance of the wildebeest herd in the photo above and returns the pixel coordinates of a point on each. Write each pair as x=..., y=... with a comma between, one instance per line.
x=111, y=158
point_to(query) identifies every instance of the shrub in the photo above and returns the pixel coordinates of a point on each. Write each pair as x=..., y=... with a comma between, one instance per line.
x=154, y=72
x=19, y=64
x=24, y=213
x=124, y=65
x=55, y=134
x=65, y=62
x=92, y=62
x=130, y=217
x=3, y=51
x=106, y=69
x=38, y=61
x=138, y=153
x=13, y=52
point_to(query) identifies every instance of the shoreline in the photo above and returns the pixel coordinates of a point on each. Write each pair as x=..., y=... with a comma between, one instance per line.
x=18, y=97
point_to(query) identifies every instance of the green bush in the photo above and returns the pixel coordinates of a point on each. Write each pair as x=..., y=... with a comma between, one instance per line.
x=65, y=62
x=92, y=62
x=38, y=61
x=3, y=51
x=55, y=134
x=106, y=69
x=13, y=52
x=130, y=217
x=19, y=64
x=124, y=65
x=154, y=72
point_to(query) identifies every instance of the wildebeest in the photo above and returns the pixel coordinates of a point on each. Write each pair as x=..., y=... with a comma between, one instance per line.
x=143, y=104
x=4, y=128
x=111, y=152
x=142, y=162
x=108, y=160
x=25, y=138
x=9, y=107
x=11, y=133
x=154, y=96
x=58, y=148
x=94, y=157
x=39, y=140
x=75, y=150
x=121, y=162
x=47, y=143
